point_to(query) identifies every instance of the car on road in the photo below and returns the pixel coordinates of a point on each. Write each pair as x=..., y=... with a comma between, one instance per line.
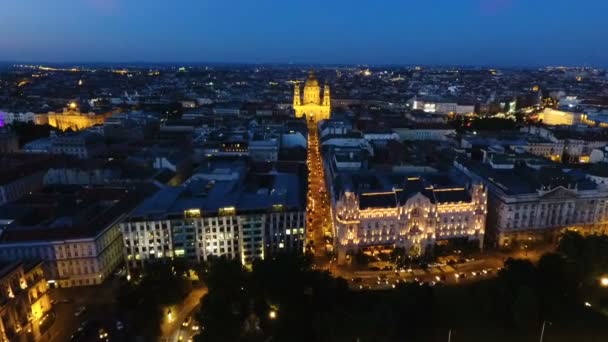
x=439, y=278
x=187, y=321
x=85, y=331
x=80, y=311
x=383, y=282
x=357, y=280
x=103, y=335
x=77, y=336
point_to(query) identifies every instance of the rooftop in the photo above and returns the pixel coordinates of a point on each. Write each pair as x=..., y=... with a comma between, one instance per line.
x=525, y=180
x=66, y=212
x=256, y=192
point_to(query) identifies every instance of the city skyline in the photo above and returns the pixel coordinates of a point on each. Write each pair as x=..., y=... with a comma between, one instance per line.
x=504, y=33
x=237, y=170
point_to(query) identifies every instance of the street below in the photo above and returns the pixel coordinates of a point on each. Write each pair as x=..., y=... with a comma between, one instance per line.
x=318, y=212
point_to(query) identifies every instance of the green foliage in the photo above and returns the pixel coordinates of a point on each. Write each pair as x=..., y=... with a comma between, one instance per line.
x=524, y=294
x=310, y=305
x=160, y=285
x=398, y=253
x=28, y=131
x=525, y=308
x=224, y=307
x=588, y=255
x=361, y=258
x=313, y=306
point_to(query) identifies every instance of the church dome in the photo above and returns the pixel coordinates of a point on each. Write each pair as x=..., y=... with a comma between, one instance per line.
x=312, y=80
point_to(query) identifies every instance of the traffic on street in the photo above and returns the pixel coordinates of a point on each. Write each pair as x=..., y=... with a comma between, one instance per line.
x=319, y=231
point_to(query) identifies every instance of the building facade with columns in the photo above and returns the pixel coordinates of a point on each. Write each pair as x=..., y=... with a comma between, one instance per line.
x=311, y=104
x=414, y=216
x=529, y=204
x=72, y=118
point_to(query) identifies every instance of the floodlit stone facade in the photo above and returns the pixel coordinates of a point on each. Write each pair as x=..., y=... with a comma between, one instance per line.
x=414, y=218
x=312, y=105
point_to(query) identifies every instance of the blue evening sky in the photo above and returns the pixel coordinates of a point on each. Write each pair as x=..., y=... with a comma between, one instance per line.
x=472, y=32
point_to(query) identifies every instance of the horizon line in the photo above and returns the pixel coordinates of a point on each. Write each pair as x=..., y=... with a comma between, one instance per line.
x=200, y=63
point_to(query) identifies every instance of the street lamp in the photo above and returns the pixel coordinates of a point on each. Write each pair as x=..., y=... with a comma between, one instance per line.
x=604, y=281
x=542, y=331
x=272, y=314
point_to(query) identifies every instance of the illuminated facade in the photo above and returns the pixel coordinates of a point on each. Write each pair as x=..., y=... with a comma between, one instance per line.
x=527, y=205
x=72, y=261
x=312, y=105
x=243, y=236
x=414, y=218
x=84, y=250
x=72, y=118
x=554, y=117
x=24, y=301
x=216, y=216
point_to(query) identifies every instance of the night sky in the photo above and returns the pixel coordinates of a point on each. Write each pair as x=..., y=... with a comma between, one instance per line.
x=463, y=32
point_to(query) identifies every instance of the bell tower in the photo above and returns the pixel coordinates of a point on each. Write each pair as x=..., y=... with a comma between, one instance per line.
x=297, y=99
x=326, y=96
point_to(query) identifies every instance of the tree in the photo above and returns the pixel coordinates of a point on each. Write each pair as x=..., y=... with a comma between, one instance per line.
x=143, y=300
x=588, y=254
x=525, y=308
x=571, y=245
x=224, y=307
x=557, y=284
x=518, y=272
x=28, y=131
x=361, y=258
x=398, y=253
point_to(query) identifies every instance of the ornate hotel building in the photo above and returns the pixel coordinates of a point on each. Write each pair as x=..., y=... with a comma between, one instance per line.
x=415, y=216
x=312, y=105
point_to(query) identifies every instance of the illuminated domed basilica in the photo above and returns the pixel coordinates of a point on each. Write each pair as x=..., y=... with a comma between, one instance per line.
x=312, y=105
